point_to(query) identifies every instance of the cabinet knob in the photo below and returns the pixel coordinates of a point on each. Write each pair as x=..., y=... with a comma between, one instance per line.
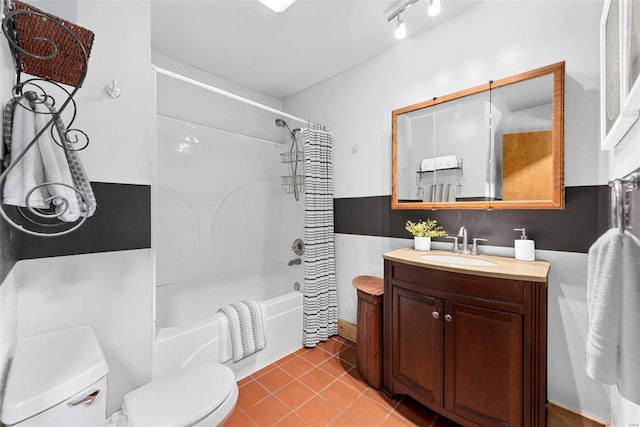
x=435, y=314
x=448, y=317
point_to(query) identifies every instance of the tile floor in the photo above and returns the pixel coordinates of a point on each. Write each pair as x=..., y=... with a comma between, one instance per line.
x=322, y=387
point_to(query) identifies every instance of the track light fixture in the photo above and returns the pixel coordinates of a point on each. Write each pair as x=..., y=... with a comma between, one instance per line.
x=434, y=7
x=401, y=27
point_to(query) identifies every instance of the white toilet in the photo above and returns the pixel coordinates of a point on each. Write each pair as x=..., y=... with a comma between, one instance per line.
x=59, y=379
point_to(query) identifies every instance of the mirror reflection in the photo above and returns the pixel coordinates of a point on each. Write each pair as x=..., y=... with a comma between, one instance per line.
x=498, y=145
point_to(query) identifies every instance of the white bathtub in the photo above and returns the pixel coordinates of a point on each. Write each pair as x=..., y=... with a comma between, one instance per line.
x=187, y=333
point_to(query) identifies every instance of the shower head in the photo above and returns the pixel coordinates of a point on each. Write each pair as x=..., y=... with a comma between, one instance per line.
x=282, y=124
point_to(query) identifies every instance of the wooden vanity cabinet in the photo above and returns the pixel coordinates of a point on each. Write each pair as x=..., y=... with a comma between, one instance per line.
x=472, y=348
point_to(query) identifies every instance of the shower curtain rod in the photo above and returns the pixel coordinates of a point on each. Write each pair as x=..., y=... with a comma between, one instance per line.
x=227, y=94
x=230, y=132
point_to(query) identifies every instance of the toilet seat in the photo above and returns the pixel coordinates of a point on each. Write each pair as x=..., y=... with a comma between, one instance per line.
x=183, y=398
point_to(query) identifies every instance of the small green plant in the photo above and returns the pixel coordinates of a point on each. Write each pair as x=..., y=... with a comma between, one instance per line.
x=428, y=228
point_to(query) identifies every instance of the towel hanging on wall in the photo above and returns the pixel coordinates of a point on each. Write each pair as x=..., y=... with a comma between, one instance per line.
x=613, y=298
x=46, y=161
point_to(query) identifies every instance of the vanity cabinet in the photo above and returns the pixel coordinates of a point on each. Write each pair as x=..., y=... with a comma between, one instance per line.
x=470, y=347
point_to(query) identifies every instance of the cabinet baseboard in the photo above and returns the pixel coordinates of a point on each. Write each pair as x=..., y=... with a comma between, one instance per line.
x=347, y=330
x=559, y=416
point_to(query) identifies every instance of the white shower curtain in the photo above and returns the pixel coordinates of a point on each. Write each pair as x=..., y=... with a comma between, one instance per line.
x=320, y=308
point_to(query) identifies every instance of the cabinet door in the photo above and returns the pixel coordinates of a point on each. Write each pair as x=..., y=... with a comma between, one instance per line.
x=417, y=344
x=483, y=365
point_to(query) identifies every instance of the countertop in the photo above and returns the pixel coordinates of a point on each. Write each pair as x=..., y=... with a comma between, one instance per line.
x=504, y=268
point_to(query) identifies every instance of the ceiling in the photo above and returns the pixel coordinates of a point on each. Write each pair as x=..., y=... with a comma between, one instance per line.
x=282, y=54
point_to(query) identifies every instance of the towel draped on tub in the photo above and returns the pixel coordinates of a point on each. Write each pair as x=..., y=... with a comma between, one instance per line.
x=246, y=327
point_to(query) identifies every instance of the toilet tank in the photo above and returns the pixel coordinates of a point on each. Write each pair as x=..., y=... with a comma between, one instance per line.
x=57, y=379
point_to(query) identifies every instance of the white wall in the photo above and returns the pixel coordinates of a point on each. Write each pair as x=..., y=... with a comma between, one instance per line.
x=111, y=291
x=121, y=129
x=625, y=158
x=494, y=40
x=7, y=287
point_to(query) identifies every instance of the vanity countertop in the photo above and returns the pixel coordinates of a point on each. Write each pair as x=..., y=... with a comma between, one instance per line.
x=503, y=267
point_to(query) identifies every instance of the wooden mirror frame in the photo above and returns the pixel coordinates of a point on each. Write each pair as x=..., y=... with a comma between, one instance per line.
x=557, y=202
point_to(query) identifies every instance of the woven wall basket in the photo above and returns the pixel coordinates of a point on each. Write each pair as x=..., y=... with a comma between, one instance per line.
x=68, y=65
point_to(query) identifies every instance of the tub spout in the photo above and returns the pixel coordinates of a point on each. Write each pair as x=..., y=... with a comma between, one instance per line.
x=296, y=261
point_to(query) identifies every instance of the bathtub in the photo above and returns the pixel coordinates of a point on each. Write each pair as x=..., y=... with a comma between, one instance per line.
x=187, y=332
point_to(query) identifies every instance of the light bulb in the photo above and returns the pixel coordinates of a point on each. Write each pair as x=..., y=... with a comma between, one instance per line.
x=401, y=29
x=434, y=7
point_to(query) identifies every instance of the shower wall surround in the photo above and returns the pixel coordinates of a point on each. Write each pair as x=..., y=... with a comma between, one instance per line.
x=220, y=205
x=494, y=39
x=104, y=278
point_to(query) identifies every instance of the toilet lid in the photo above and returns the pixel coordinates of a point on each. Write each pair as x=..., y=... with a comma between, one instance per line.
x=181, y=398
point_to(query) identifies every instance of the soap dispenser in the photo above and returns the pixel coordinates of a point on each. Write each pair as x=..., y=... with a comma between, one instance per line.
x=525, y=248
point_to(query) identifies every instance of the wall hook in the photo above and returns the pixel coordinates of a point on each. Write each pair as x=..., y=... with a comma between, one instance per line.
x=112, y=90
x=355, y=148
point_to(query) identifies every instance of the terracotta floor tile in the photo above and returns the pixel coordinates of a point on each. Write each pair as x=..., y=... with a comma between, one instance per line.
x=317, y=379
x=264, y=370
x=318, y=412
x=316, y=356
x=292, y=420
x=382, y=399
x=297, y=366
x=367, y=411
x=336, y=367
x=286, y=359
x=268, y=412
x=340, y=394
x=301, y=351
x=396, y=420
x=294, y=394
x=236, y=411
x=355, y=380
x=245, y=380
x=413, y=411
x=334, y=346
x=344, y=420
x=311, y=387
x=240, y=420
x=275, y=379
x=348, y=355
x=250, y=394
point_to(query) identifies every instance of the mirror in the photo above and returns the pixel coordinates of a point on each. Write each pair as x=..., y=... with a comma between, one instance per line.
x=494, y=146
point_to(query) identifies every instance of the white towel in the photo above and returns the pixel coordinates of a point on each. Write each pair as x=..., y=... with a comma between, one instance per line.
x=246, y=324
x=613, y=299
x=629, y=357
x=225, y=352
x=44, y=162
x=29, y=172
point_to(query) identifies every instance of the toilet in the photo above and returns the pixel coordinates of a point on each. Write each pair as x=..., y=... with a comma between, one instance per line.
x=60, y=379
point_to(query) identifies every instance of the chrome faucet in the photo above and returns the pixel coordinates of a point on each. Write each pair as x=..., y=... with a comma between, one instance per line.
x=296, y=261
x=465, y=241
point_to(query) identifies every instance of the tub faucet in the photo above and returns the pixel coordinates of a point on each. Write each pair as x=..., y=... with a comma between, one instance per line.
x=296, y=261
x=465, y=241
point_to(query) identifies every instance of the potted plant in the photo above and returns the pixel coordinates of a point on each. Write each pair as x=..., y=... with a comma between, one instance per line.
x=423, y=231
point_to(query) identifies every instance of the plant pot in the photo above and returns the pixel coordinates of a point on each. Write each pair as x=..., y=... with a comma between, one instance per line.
x=422, y=243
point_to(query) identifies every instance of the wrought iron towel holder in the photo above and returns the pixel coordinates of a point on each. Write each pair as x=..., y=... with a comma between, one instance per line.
x=39, y=221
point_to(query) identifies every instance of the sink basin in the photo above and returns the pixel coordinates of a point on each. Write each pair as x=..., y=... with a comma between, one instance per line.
x=450, y=259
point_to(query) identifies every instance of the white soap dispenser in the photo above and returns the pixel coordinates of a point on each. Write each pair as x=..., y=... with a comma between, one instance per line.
x=525, y=248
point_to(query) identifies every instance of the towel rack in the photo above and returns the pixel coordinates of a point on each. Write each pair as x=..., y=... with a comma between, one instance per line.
x=620, y=200
x=55, y=51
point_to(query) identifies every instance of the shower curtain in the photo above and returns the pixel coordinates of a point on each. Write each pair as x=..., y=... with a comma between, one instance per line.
x=320, y=307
